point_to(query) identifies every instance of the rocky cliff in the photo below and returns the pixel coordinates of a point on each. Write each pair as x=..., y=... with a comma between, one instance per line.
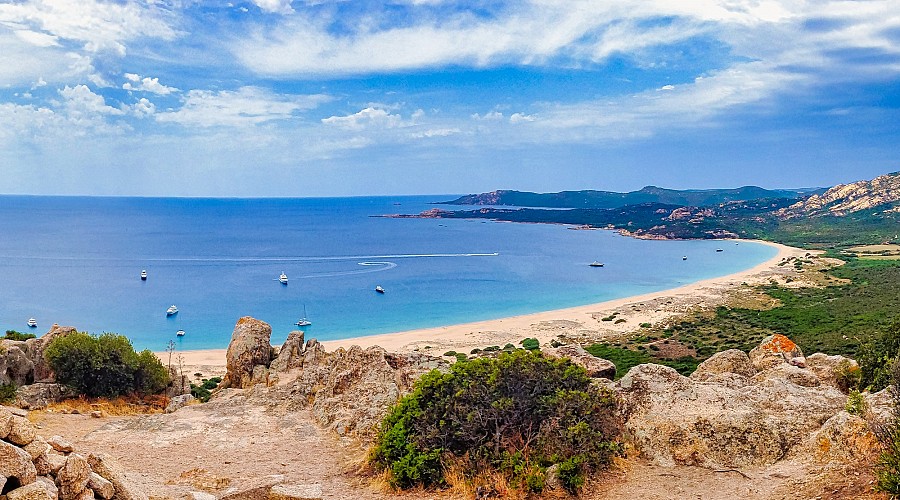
x=348, y=391
x=844, y=199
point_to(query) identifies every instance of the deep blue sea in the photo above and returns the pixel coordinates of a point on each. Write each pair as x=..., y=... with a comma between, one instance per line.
x=76, y=261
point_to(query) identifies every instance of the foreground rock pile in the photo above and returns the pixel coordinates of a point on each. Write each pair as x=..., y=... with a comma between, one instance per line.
x=348, y=391
x=32, y=468
x=740, y=410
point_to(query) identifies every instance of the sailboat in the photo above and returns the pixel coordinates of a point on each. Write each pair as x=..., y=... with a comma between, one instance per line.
x=303, y=321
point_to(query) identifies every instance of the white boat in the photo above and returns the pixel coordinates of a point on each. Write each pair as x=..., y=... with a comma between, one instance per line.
x=172, y=310
x=379, y=289
x=144, y=275
x=684, y=257
x=719, y=250
x=303, y=321
x=596, y=264
x=283, y=278
x=180, y=333
x=32, y=323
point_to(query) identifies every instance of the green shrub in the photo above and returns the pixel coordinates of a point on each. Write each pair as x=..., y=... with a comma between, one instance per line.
x=531, y=344
x=877, y=357
x=620, y=320
x=856, y=403
x=516, y=415
x=212, y=383
x=450, y=353
x=645, y=325
x=14, y=335
x=7, y=393
x=509, y=347
x=461, y=356
x=201, y=392
x=887, y=469
x=105, y=365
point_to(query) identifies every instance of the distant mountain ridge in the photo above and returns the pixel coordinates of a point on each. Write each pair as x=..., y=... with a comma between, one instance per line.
x=845, y=199
x=612, y=199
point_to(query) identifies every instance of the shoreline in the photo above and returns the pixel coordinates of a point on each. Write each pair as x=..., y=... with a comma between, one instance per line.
x=578, y=321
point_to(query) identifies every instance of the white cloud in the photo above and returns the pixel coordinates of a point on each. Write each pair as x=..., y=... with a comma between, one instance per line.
x=146, y=84
x=82, y=103
x=243, y=107
x=490, y=116
x=368, y=117
x=37, y=39
x=667, y=87
x=438, y=132
x=97, y=24
x=275, y=6
x=144, y=108
x=520, y=118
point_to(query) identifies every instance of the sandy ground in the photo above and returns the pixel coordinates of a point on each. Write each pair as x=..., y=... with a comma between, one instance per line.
x=581, y=323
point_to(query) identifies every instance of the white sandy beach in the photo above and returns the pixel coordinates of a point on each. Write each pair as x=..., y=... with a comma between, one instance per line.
x=581, y=321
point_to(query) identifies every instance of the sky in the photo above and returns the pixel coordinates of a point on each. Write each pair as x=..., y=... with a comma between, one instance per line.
x=346, y=98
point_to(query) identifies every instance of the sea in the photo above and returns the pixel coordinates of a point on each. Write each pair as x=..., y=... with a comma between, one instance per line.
x=77, y=261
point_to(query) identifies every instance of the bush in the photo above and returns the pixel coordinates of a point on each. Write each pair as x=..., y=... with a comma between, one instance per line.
x=7, y=393
x=200, y=392
x=14, y=335
x=877, y=357
x=887, y=469
x=531, y=344
x=105, y=365
x=514, y=415
x=856, y=404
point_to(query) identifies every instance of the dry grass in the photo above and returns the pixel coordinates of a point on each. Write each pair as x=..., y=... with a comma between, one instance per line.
x=123, y=405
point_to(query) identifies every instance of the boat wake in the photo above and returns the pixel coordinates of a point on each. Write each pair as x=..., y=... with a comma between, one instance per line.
x=258, y=259
x=374, y=267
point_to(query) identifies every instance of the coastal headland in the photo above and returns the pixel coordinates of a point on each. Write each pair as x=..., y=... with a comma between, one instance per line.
x=582, y=323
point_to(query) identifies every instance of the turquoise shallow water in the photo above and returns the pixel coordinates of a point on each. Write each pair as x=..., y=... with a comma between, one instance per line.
x=76, y=261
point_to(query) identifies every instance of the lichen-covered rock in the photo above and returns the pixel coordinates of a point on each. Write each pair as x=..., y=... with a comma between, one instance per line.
x=38, y=396
x=837, y=371
x=791, y=373
x=35, y=349
x=595, y=367
x=348, y=390
x=60, y=444
x=178, y=402
x=676, y=420
x=5, y=422
x=72, y=478
x=774, y=350
x=16, y=367
x=844, y=438
x=38, y=490
x=108, y=469
x=37, y=447
x=295, y=492
x=249, y=348
x=21, y=431
x=100, y=486
x=16, y=462
x=291, y=354
x=730, y=361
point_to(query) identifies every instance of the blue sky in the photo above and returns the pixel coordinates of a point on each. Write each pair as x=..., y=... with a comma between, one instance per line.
x=334, y=98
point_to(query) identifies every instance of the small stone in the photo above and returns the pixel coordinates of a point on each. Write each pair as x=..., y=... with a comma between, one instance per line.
x=96, y=414
x=21, y=431
x=37, y=447
x=73, y=477
x=295, y=492
x=101, y=487
x=108, y=469
x=60, y=444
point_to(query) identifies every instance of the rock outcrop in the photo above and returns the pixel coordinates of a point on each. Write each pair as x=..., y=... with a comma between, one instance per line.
x=737, y=410
x=36, y=347
x=249, y=353
x=32, y=468
x=848, y=198
x=595, y=367
x=348, y=390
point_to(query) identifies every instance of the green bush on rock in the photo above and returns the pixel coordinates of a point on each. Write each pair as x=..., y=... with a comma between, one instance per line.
x=515, y=415
x=105, y=365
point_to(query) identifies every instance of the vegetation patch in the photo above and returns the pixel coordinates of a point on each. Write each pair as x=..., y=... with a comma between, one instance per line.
x=105, y=365
x=513, y=416
x=14, y=335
